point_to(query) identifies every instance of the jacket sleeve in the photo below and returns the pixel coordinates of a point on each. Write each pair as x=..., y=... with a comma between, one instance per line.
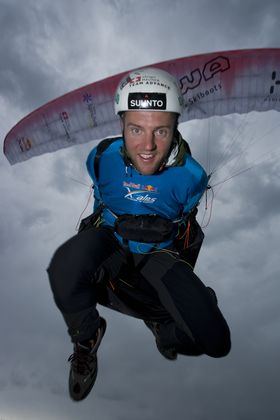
x=196, y=191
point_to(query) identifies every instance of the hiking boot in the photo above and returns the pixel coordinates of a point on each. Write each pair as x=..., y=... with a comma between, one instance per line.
x=83, y=370
x=169, y=353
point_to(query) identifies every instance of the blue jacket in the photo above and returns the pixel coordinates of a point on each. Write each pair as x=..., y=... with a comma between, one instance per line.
x=123, y=190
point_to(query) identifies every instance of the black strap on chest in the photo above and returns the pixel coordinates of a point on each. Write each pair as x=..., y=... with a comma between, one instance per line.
x=100, y=148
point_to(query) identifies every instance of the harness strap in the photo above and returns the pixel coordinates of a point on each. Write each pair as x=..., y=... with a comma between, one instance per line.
x=100, y=148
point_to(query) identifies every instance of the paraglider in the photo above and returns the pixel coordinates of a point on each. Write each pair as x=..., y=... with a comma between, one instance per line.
x=218, y=83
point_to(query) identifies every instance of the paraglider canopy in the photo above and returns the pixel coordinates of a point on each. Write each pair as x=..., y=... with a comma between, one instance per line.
x=218, y=83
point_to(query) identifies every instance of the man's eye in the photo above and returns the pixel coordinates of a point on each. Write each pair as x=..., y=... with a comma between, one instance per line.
x=161, y=132
x=135, y=130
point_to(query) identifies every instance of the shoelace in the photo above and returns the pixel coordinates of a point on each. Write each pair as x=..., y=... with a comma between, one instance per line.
x=80, y=360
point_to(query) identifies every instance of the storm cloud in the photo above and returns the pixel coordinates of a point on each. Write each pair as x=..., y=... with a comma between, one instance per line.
x=49, y=48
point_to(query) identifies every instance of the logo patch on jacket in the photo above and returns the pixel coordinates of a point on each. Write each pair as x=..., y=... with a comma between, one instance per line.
x=140, y=193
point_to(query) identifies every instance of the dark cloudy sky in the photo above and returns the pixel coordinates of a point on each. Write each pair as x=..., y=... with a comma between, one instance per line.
x=48, y=48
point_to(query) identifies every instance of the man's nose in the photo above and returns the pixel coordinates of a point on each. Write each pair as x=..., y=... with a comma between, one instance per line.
x=149, y=141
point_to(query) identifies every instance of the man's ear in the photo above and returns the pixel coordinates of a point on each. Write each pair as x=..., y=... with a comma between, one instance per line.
x=122, y=121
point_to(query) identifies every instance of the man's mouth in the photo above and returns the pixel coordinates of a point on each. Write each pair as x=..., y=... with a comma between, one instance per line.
x=146, y=156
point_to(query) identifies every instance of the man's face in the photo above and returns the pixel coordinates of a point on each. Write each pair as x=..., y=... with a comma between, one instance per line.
x=148, y=137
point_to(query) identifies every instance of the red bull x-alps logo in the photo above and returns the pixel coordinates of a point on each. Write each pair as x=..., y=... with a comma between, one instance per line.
x=140, y=193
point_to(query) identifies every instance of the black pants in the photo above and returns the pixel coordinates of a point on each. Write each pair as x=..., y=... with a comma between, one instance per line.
x=92, y=268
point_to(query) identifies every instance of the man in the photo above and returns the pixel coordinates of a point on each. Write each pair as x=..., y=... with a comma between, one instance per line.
x=133, y=254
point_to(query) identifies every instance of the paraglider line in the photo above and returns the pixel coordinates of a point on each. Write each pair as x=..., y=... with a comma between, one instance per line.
x=80, y=182
x=210, y=187
x=86, y=206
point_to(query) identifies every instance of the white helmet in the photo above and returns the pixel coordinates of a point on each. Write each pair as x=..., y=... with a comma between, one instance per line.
x=149, y=89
